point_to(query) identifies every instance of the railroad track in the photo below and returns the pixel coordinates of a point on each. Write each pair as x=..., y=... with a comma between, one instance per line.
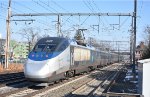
x=6, y=79
x=15, y=88
x=95, y=87
x=80, y=85
x=10, y=75
x=33, y=90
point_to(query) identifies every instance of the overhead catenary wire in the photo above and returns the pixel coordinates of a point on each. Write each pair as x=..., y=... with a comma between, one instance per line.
x=39, y=20
x=87, y=6
x=96, y=6
x=48, y=6
x=22, y=5
x=85, y=20
x=99, y=16
x=90, y=5
x=78, y=14
x=66, y=20
x=36, y=2
x=63, y=9
x=59, y=5
x=124, y=22
x=3, y=19
x=45, y=4
x=34, y=10
x=70, y=16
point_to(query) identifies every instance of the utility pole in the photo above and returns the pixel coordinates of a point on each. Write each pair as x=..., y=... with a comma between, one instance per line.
x=134, y=45
x=58, y=27
x=131, y=43
x=131, y=48
x=8, y=35
x=118, y=53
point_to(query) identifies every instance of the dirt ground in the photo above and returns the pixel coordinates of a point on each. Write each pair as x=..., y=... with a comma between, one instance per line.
x=13, y=67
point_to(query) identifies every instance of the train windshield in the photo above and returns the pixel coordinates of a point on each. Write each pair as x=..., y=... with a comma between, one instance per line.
x=50, y=48
x=44, y=48
x=49, y=45
x=39, y=47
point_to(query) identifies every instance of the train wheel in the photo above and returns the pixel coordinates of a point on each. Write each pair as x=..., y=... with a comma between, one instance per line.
x=98, y=66
x=70, y=74
x=90, y=68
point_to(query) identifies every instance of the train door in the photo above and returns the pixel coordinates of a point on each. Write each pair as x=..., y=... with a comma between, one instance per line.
x=72, y=56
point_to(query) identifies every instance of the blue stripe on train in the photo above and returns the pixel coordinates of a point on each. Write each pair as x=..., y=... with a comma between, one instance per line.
x=41, y=56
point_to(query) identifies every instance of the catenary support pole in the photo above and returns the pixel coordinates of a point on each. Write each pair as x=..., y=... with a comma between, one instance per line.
x=134, y=33
x=8, y=35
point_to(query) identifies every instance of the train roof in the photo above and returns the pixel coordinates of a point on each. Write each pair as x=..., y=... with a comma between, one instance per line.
x=51, y=39
x=72, y=42
x=60, y=39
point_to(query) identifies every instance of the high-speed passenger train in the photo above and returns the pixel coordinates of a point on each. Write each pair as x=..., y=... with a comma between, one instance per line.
x=54, y=58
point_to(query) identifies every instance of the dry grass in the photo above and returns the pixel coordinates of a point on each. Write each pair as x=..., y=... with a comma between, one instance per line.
x=13, y=67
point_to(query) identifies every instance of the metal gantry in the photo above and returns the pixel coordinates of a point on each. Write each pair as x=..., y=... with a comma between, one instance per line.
x=74, y=14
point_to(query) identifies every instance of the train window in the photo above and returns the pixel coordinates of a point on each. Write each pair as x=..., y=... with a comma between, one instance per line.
x=62, y=47
x=50, y=48
x=44, y=47
x=39, y=47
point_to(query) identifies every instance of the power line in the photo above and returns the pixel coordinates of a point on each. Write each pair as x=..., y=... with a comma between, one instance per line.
x=67, y=20
x=2, y=15
x=74, y=14
x=87, y=6
x=124, y=22
x=59, y=5
x=96, y=6
x=85, y=20
x=42, y=6
x=90, y=5
x=3, y=19
x=33, y=11
x=20, y=4
x=100, y=11
x=39, y=20
x=48, y=6
x=61, y=8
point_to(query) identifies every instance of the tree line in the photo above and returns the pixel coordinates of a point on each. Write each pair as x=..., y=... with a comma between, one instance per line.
x=146, y=52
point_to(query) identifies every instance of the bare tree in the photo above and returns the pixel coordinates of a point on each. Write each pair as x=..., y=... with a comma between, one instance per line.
x=146, y=53
x=99, y=45
x=31, y=35
x=147, y=33
x=13, y=45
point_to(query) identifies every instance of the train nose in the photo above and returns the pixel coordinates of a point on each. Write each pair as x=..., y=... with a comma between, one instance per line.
x=36, y=70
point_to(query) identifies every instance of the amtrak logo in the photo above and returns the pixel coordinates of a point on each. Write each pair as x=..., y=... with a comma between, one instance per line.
x=49, y=40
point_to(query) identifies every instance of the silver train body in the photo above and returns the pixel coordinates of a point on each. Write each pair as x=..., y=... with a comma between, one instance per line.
x=55, y=58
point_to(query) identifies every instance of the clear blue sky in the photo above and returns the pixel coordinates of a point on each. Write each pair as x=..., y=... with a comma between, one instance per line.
x=48, y=24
